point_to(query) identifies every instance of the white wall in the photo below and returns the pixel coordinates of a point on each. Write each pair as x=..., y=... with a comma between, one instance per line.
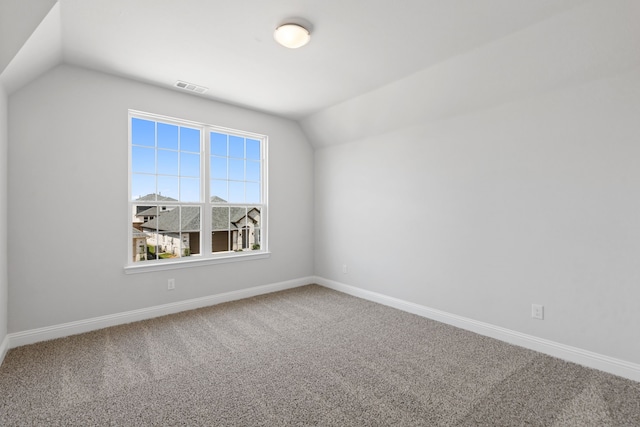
x=4, y=286
x=485, y=214
x=68, y=159
x=593, y=40
x=18, y=20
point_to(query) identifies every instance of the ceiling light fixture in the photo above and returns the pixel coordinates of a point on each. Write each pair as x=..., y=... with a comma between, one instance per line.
x=292, y=36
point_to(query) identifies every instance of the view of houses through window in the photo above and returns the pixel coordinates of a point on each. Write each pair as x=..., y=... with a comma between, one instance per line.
x=196, y=190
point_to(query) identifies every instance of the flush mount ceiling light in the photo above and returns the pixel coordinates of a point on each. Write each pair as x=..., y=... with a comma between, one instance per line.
x=292, y=36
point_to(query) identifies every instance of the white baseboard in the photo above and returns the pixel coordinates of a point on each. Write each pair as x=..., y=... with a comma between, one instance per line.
x=4, y=348
x=72, y=328
x=572, y=354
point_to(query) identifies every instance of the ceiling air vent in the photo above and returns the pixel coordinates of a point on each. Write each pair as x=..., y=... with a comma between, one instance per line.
x=190, y=87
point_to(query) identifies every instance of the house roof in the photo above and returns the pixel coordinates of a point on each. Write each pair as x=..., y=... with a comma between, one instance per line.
x=189, y=219
x=152, y=211
x=137, y=233
x=186, y=218
x=153, y=197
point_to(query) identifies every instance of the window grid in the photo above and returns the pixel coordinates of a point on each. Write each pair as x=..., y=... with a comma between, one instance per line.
x=245, y=228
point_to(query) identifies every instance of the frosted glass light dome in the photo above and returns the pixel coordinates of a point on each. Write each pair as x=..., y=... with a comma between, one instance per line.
x=292, y=36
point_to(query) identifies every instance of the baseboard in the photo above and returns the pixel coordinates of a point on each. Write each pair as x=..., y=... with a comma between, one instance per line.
x=572, y=354
x=72, y=328
x=4, y=348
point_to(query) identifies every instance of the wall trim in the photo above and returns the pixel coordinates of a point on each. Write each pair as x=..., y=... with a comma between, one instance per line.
x=32, y=336
x=572, y=354
x=4, y=348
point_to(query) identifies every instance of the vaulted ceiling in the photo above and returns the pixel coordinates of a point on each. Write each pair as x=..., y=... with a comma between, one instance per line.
x=357, y=47
x=228, y=46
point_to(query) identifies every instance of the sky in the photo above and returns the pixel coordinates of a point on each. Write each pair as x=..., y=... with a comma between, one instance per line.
x=166, y=160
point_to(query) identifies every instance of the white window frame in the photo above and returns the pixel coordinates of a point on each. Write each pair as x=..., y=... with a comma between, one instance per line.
x=206, y=256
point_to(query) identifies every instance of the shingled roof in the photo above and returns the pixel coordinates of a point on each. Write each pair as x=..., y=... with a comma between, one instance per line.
x=152, y=211
x=153, y=197
x=138, y=234
x=187, y=219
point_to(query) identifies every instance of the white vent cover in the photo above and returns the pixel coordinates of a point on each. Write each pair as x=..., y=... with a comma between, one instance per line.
x=190, y=87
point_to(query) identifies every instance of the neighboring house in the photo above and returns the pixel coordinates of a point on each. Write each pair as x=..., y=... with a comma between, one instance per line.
x=142, y=214
x=235, y=229
x=139, y=245
x=175, y=231
x=247, y=235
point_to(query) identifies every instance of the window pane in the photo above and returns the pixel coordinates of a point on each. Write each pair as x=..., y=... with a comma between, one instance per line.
x=238, y=222
x=152, y=243
x=190, y=230
x=253, y=171
x=190, y=218
x=238, y=216
x=253, y=192
x=218, y=144
x=142, y=185
x=190, y=140
x=189, y=164
x=236, y=192
x=253, y=224
x=140, y=247
x=256, y=239
x=218, y=167
x=167, y=136
x=219, y=218
x=168, y=186
x=220, y=241
x=167, y=162
x=253, y=149
x=236, y=169
x=254, y=215
x=189, y=190
x=236, y=146
x=219, y=189
x=143, y=132
x=168, y=231
x=193, y=248
x=143, y=160
x=220, y=227
x=164, y=240
x=168, y=219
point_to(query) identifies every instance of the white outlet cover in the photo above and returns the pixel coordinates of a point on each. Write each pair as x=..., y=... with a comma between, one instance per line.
x=537, y=311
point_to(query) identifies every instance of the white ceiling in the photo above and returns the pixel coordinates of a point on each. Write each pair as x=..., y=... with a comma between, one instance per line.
x=227, y=46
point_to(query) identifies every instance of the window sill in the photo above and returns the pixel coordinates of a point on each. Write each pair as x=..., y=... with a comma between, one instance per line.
x=175, y=265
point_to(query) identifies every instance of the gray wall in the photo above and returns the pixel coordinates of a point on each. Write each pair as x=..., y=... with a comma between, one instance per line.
x=68, y=215
x=499, y=178
x=18, y=20
x=484, y=214
x=4, y=285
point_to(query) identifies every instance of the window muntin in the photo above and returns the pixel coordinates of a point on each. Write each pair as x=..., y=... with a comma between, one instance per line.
x=196, y=190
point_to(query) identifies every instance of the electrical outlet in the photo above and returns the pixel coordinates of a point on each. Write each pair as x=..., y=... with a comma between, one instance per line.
x=537, y=311
x=171, y=284
x=344, y=268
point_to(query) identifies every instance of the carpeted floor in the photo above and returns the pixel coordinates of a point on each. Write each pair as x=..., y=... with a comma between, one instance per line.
x=307, y=356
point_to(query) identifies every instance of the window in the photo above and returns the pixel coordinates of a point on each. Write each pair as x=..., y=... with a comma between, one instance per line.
x=197, y=192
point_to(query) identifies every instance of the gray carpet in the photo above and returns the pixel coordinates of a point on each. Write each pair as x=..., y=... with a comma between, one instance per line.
x=307, y=356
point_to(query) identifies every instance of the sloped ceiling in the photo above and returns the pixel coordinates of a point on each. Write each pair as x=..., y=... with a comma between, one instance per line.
x=18, y=20
x=371, y=64
x=594, y=40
